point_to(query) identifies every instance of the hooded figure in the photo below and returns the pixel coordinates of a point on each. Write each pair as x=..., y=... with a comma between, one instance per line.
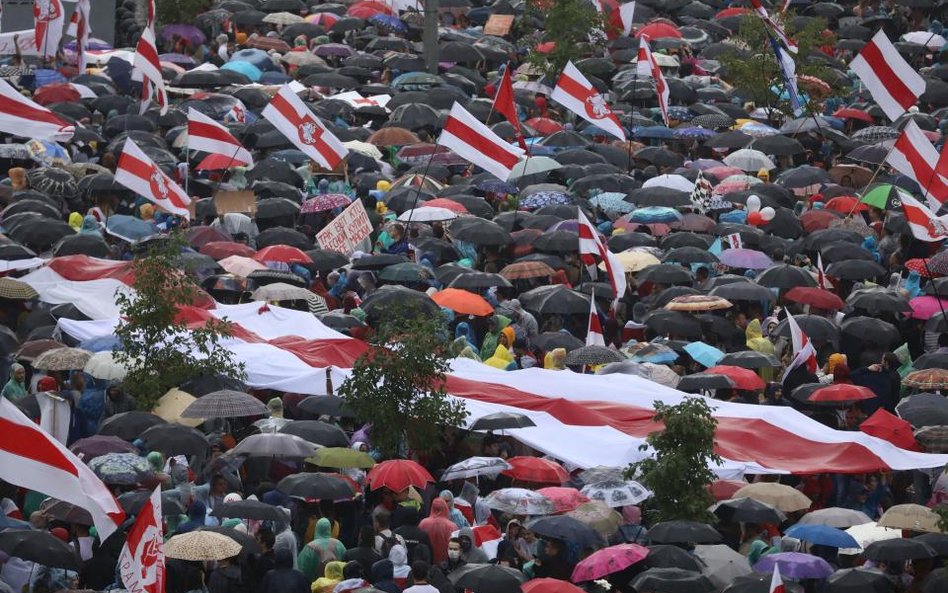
x=383, y=577
x=197, y=512
x=439, y=528
x=398, y=556
x=502, y=359
x=284, y=578
x=15, y=389
x=332, y=576
x=463, y=330
x=324, y=548
x=471, y=495
x=469, y=552
x=455, y=515
x=352, y=579
x=555, y=359
x=756, y=340
x=90, y=226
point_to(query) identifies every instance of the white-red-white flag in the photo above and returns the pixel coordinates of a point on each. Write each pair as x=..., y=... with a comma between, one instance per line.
x=140, y=174
x=893, y=83
x=923, y=223
x=49, y=21
x=647, y=65
x=22, y=117
x=148, y=70
x=626, y=12
x=141, y=563
x=151, y=12
x=79, y=28
x=237, y=113
x=590, y=247
x=776, y=583
x=803, y=351
x=574, y=92
x=206, y=135
x=472, y=140
x=594, y=334
x=287, y=112
x=914, y=156
x=820, y=272
x=735, y=241
x=30, y=458
x=774, y=26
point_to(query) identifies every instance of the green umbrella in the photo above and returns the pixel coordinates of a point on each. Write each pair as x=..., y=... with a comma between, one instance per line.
x=404, y=272
x=881, y=195
x=341, y=457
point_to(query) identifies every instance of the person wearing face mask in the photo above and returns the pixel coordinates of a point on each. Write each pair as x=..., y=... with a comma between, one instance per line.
x=469, y=552
x=455, y=560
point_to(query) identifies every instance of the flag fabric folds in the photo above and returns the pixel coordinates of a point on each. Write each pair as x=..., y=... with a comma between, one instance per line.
x=287, y=112
x=49, y=21
x=504, y=105
x=206, y=135
x=915, y=157
x=79, y=28
x=923, y=223
x=22, y=117
x=803, y=351
x=472, y=140
x=893, y=83
x=773, y=27
x=148, y=70
x=574, y=92
x=141, y=563
x=647, y=65
x=140, y=174
x=594, y=334
x=589, y=247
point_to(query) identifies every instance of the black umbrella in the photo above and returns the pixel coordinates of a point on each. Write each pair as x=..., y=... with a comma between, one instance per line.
x=92, y=245
x=378, y=262
x=815, y=326
x=479, y=232
x=760, y=583
x=593, y=355
x=562, y=241
x=683, y=532
x=327, y=405
x=672, y=580
x=39, y=233
x=318, y=432
x=777, y=145
x=549, y=340
x=659, y=196
x=283, y=236
x=924, y=409
x=204, y=384
x=668, y=556
x=129, y=425
x=487, y=578
x=405, y=198
x=479, y=280
x=41, y=207
x=315, y=485
x=132, y=502
x=747, y=510
x=899, y=550
x=690, y=255
x=660, y=157
x=878, y=300
x=556, y=299
x=700, y=381
x=679, y=240
x=250, y=509
x=565, y=528
x=327, y=259
x=674, y=322
x=175, y=439
x=732, y=139
x=841, y=251
x=933, y=360
x=855, y=269
x=871, y=329
x=271, y=169
x=859, y=580
x=41, y=547
x=502, y=421
x=785, y=276
x=665, y=274
x=937, y=542
x=750, y=359
x=396, y=300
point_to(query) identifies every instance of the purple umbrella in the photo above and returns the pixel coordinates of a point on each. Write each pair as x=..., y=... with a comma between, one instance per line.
x=179, y=59
x=93, y=44
x=745, y=258
x=334, y=49
x=795, y=565
x=189, y=32
x=565, y=225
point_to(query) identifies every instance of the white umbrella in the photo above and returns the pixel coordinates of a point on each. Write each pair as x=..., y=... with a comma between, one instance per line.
x=867, y=533
x=475, y=466
x=532, y=165
x=835, y=517
x=617, y=493
x=427, y=214
x=926, y=38
x=239, y=265
x=670, y=181
x=283, y=18
x=271, y=444
x=281, y=291
x=722, y=564
x=369, y=150
x=748, y=159
x=102, y=365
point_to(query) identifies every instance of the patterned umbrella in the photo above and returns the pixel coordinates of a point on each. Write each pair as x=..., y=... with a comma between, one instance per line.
x=698, y=302
x=198, y=546
x=62, y=359
x=593, y=355
x=225, y=404
x=612, y=202
x=544, y=198
x=121, y=469
x=16, y=290
x=874, y=134
x=608, y=561
x=526, y=270
x=324, y=202
x=617, y=494
x=927, y=379
x=599, y=516
x=520, y=501
x=933, y=438
x=650, y=352
x=564, y=499
x=274, y=445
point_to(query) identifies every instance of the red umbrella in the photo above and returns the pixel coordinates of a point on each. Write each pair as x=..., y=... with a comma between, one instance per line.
x=546, y=47
x=815, y=297
x=729, y=12
x=447, y=204
x=564, y=499
x=56, y=93
x=549, y=586
x=817, y=220
x=221, y=249
x=725, y=489
x=544, y=125
x=659, y=30
x=745, y=379
x=917, y=264
x=282, y=253
x=846, y=204
x=850, y=113
x=398, y=475
x=608, y=561
x=368, y=9
x=890, y=427
x=536, y=469
x=841, y=393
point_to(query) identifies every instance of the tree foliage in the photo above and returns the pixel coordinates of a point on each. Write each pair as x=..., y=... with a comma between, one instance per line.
x=179, y=11
x=158, y=348
x=756, y=76
x=679, y=475
x=399, y=385
x=572, y=25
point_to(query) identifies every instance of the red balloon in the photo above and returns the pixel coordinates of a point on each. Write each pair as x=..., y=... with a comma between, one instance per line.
x=755, y=218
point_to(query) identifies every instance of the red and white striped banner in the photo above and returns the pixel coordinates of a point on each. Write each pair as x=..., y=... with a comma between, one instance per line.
x=590, y=246
x=925, y=226
x=293, y=119
x=206, y=135
x=22, y=117
x=594, y=335
x=148, y=69
x=472, y=140
x=141, y=563
x=574, y=92
x=915, y=157
x=893, y=83
x=49, y=20
x=647, y=65
x=79, y=28
x=140, y=174
x=773, y=26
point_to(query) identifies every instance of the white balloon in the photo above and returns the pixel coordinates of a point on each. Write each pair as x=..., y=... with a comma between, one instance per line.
x=753, y=204
x=768, y=213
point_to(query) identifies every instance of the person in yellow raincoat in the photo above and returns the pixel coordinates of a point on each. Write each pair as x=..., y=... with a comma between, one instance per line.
x=502, y=359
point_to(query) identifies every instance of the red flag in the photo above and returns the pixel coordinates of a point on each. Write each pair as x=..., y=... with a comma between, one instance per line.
x=142, y=561
x=287, y=112
x=504, y=104
x=472, y=140
x=594, y=334
x=207, y=135
x=140, y=174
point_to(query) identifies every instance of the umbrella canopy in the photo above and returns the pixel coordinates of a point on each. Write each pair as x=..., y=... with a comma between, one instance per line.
x=316, y=431
x=783, y=497
x=747, y=510
x=520, y=501
x=341, y=457
x=473, y=467
x=607, y=561
x=201, y=545
x=673, y=580
x=488, y=577
x=39, y=546
x=683, y=532
x=274, y=445
x=398, y=475
x=502, y=421
x=913, y=517
x=565, y=528
x=823, y=535
x=315, y=486
x=616, y=493
x=62, y=359
x=536, y=469
x=225, y=404
x=835, y=517
x=795, y=565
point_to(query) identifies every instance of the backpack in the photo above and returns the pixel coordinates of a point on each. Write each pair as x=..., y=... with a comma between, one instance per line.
x=388, y=542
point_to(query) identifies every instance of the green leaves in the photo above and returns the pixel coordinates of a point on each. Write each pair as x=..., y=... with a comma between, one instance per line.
x=179, y=11
x=572, y=25
x=159, y=349
x=399, y=385
x=679, y=474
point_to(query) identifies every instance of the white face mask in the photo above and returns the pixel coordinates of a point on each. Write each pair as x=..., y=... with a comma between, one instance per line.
x=454, y=554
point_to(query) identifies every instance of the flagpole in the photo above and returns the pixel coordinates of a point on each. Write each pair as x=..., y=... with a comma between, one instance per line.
x=931, y=279
x=414, y=203
x=871, y=179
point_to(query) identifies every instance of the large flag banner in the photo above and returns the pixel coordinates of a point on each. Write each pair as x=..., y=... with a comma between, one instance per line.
x=472, y=140
x=647, y=65
x=148, y=70
x=914, y=156
x=574, y=92
x=206, y=135
x=49, y=21
x=22, y=117
x=893, y=83
x=923, y=223
x=141, y=563
x=30, y=458
x=289, y=114
x=140, y=174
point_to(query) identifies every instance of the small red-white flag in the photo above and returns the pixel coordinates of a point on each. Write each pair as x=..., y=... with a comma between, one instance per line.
x=618, y=17
x=893, y=83
x=150, y=13
x=735, y=241
x=141, y=563
x=776, y=583
x=773, y=26
x=79, y=28
x=22, y=117
x=589, y=247
x=594, y=334
x=237, y=113
x=803, y=350
x=49, y=20
x=504, y=105
x=914, y=156
x=287, y=112
x=30, y=458
x=820, y=273
x=647, y=65
x=148, y=70
x=206, y=135
x=140, y=174
x=574, y=92
x=472, y=140
x=923, y=223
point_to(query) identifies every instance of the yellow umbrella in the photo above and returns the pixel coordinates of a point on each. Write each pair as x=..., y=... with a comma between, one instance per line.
x=785, y=498
x=913, y=517
x=633, y=261
x=170, y=406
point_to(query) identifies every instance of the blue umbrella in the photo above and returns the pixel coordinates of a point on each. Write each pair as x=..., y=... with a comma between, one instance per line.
x=392, y=23
x=101, y=344
x=694, y=133
x=612, y=202
x=545, y=198
x=823, y=535
x=680, y=113
x=660, y=132
x=246, y=68
x=128, y=227
x=257, y=57
x=704, y=354
x=654, y=214
x=494, y=186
